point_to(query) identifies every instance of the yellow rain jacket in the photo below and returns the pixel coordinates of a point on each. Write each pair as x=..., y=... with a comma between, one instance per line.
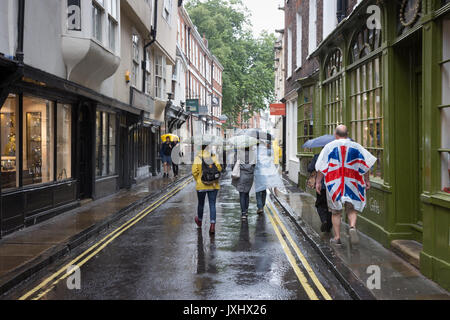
x=277, y=152
x=197, y=171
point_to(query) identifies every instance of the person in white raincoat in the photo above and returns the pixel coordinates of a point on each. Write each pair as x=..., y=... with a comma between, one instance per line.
x=345, y=165
x=266, y=174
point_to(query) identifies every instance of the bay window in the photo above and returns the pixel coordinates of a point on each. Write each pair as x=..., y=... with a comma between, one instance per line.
x=367, y=121
x=97, y=13
x=445, y=109
x=333, y=88
x=306, y=116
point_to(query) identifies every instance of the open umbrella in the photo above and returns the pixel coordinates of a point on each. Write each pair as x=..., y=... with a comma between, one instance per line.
x=241, y=142
x=319, y=141
x=203, y=140
x=170, y=136
x=255, y=133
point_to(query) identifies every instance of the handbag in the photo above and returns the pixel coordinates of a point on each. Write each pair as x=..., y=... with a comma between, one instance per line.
x=236, y=173
x=210, y=173
x=311, y=183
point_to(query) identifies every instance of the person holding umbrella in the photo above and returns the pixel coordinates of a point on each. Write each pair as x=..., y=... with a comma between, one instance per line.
x=321, y=198
x=165, y=153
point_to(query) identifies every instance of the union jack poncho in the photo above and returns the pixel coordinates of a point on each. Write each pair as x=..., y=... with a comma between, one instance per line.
x=344, y=163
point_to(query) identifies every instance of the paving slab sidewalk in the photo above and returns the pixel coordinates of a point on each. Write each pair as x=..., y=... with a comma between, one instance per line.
x=399, y=279
x=27, y=251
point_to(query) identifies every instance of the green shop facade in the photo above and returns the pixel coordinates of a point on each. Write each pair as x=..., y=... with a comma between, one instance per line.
x=391, y=86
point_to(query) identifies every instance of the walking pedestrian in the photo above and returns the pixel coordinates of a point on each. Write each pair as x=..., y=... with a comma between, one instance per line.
x=245, y=160
x=165, y=153
x=345, y=165
x=266, y=174
x=321, y=199
x=176, y=152
x=206, y=165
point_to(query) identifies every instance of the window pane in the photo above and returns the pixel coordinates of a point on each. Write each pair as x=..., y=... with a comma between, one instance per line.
x=112, y=144
x=38, y=145
x=9, y=136
x=64, y=142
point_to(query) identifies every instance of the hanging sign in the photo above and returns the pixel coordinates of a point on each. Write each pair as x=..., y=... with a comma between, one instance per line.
x=74, y=15
x=278, y=109
x=192, y=105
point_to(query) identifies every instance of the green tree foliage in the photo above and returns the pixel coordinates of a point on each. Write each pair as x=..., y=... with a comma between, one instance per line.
x=248, y=77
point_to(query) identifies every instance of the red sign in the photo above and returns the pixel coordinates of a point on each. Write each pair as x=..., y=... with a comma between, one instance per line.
x=278, y=109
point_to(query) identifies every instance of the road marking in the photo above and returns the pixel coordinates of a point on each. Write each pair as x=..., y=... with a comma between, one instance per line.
x=302, y=258
x=113, y=235
x=300, y=275
x=299, y=254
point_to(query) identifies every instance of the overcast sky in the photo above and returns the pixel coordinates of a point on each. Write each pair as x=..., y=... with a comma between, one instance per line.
x=265, y=15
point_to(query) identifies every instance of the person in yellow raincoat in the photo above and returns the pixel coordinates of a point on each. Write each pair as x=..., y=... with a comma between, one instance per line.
x=203, y=158
x=277, y=153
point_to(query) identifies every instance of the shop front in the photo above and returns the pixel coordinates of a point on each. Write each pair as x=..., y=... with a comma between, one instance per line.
x=390, y=87
x=37, y=167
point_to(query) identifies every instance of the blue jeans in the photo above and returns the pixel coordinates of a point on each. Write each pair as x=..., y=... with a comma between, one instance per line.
x=244, y=198
x=261, y=199
x=212, y=196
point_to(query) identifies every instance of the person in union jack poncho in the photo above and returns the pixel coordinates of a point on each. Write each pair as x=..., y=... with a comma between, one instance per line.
x=345, y=165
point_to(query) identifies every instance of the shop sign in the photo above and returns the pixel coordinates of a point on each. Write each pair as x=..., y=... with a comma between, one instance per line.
x=192, y=105
x=278, y=109
x=74, y=15
x=203, y=110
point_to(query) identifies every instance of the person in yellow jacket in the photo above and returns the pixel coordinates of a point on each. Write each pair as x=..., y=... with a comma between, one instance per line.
x=277, y=153
x=203, y=158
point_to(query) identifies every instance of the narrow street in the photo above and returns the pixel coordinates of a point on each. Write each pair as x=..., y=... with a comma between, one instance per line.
x=162, y=255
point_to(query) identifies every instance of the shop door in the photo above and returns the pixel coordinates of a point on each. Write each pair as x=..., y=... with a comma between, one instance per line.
x=86, y=152
x=123, y=158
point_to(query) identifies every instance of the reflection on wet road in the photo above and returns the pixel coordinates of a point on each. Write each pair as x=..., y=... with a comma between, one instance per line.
x=165, y=256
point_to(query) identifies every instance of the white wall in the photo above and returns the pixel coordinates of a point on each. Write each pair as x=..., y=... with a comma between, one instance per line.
x=8, y=27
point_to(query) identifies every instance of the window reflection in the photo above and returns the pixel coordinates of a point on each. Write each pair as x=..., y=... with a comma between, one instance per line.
x=9, y=137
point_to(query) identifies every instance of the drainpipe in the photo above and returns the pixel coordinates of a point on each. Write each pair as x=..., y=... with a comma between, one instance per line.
x=20, y=28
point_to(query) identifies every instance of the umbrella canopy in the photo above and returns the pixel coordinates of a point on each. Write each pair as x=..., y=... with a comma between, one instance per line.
x=242, y=142
x=319, y=141
x=170, y=136
x=255, y=133
x=205, y=140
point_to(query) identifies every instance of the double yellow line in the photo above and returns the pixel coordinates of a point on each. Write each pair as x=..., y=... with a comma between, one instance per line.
x=277, y=223
x=80, y=260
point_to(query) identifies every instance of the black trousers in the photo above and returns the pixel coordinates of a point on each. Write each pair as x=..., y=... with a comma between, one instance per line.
x=174, y=168
x=322, y=207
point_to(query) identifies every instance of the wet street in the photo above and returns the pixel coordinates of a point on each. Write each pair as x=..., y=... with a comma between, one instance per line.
x=162, y=255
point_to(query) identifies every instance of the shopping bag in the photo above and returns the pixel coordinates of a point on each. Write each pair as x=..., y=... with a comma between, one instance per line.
x=236, y=173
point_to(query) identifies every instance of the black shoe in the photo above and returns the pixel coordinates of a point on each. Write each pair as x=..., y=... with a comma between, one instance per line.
x=244, y=216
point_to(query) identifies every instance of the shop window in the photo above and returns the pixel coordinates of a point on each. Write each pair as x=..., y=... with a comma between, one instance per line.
x=409, y=13
x=306, y=116
x=367, y=127
x=105, y=144
x=333, y=89
x=9, y=139
x=38, y=147
x=64, y=142
x=365, y=42
x=445, y=109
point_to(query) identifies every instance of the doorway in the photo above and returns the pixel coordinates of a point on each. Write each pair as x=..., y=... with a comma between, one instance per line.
x=408, y=134
x=86, y=150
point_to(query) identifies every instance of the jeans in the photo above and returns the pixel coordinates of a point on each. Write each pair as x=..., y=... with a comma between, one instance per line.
x=244, y=198
x=212, y=196
x=261, y=199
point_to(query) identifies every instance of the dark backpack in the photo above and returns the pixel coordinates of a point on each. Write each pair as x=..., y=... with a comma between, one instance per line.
x=210, y=173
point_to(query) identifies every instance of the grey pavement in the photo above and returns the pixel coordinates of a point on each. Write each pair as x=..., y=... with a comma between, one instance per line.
x=399, y=279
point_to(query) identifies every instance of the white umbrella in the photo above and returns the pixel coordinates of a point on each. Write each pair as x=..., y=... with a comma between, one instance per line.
x=242, y=142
